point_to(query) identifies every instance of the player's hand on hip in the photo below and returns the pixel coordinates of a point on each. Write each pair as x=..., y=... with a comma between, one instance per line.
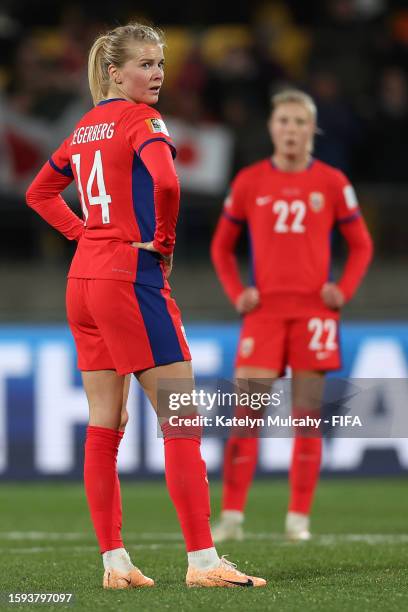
x=168, y=264
x=332, y=296
x=247, y=300
x=147, y=246
x=167, y=259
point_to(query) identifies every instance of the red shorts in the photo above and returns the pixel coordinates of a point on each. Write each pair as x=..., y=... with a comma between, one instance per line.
x=304, y=343
x=123, y=326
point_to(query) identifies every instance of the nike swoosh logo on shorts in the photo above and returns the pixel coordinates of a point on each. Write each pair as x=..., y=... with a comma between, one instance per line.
x=263, y=200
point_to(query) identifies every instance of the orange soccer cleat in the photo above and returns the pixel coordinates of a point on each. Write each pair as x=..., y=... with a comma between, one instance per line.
x=133, y=579
x=224, y=575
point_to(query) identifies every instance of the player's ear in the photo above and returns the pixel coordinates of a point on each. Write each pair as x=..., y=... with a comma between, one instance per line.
x=114, y=74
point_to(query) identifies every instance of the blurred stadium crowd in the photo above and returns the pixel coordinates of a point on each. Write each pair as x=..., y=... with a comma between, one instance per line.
x=351, y=55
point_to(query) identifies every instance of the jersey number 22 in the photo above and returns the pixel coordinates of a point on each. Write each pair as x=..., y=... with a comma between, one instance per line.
x=296, y=210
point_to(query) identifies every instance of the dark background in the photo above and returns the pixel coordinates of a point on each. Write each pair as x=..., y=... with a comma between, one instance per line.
x=350, y=55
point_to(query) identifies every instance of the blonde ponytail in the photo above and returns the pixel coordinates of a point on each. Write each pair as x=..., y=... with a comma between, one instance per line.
x=98, y=75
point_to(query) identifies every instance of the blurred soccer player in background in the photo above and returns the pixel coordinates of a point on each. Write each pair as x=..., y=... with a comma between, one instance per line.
x=290, y=202
x=119, y=307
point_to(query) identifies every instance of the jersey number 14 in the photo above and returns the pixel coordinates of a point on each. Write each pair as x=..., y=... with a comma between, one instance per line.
x=102, y=199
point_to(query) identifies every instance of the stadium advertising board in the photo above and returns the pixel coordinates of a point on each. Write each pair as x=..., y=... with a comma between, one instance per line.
x=43, y=409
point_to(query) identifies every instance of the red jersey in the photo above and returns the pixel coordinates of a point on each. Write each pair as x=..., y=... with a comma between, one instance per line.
x=117, y=193
x=290, y=217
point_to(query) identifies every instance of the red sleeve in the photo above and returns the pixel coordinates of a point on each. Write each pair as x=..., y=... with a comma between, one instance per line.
x=224, y=258
x=360, y=253
x=236, y=201
x=61, y=161
x=43, y=195
x=143, y=125
x=159, y=163
x=225, y=239
x=352, y=226
x=345, y=199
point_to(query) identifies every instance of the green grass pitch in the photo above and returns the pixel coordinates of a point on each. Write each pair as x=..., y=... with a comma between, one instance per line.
x=358, y=559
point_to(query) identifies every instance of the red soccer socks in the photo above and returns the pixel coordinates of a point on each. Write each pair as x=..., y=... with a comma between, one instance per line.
x=240, y=459
x=187, y=483
x=102, y=485
x=304, y=473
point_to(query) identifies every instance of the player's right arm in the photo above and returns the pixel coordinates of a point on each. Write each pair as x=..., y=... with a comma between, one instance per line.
x=43, y=195
x=223, y=249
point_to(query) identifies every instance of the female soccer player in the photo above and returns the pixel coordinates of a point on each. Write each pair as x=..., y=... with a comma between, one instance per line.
x=290, y=202
x=118, y=299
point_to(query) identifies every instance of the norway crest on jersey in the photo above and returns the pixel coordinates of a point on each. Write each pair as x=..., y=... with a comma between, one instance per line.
x=246, y=346
x=316, y=201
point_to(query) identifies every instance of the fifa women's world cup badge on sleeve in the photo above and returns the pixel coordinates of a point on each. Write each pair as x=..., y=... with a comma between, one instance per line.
x=156, y=126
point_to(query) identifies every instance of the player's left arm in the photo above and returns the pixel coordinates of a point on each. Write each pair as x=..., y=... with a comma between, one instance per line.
x=360, y=247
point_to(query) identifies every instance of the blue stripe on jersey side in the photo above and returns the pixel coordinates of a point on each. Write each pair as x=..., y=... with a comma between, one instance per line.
x=171, y=145
x=160, y=329
x=66, y=170
x=143, y=199
x=233, y=219
x=102, y=102
x=149, y=271
x=351, y=218
x=252, y=278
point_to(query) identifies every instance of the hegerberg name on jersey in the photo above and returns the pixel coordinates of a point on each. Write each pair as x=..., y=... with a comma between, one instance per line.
x=90, y=133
